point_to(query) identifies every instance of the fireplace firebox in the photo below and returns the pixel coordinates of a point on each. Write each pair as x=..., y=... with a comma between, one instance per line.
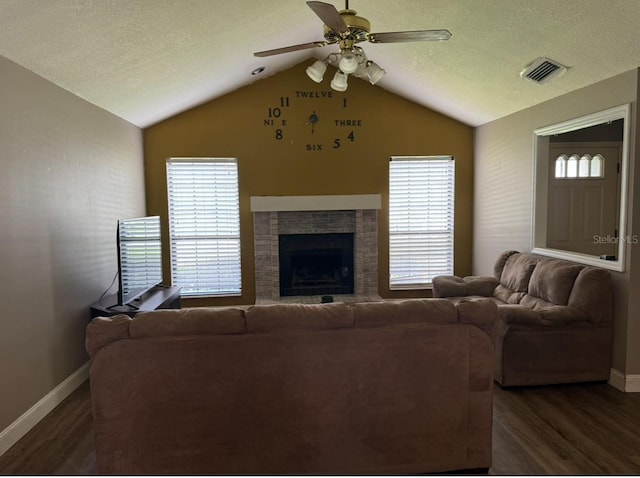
x=316, y=264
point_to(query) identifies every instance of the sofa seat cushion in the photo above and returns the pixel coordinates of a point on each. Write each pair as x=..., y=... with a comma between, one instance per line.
x=458, y=299
x=521, y=316
x=552, y=281
x=298, y=317
x=535, y=302
x=507, y=296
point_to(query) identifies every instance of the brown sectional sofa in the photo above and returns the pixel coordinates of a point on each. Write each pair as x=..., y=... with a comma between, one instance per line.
x=555, y=318
x=372, y=388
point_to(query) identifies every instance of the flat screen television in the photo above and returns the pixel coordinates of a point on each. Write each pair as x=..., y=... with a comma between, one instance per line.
x=139, y=257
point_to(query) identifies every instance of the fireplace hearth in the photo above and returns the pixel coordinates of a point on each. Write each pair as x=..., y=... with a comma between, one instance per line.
x=316, y=264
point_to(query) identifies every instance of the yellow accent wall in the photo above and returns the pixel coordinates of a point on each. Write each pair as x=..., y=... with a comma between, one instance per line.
x=266, y=127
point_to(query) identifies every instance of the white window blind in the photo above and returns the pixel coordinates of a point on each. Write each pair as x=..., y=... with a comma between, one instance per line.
x=204, y=223
x=421, y=201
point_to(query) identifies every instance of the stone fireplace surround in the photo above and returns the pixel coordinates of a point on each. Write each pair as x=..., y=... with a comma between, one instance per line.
x=275, y=215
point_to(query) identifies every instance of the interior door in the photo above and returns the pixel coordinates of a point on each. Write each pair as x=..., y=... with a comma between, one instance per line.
x=582, y=211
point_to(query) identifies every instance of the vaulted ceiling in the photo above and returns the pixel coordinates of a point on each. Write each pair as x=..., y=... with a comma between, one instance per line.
x=146, y=60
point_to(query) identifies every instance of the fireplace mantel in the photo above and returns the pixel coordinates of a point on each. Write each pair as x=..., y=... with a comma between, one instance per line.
x=315, y=203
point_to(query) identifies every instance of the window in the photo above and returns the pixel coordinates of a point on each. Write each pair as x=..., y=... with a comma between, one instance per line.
x=572, y=166
x=204, y=224
x=585, y=167
x=421, y=198
x=597, y=170
x=561, y=166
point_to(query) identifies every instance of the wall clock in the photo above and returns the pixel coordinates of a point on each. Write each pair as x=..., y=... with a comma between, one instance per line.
x=313, y=120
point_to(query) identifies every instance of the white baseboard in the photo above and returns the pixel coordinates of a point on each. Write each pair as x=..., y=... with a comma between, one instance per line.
x=632, y=384
x=10, y=435
x=624, y=383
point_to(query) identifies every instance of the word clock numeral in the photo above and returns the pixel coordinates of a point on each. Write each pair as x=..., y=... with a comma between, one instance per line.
x=275, y=112
x=337, y=143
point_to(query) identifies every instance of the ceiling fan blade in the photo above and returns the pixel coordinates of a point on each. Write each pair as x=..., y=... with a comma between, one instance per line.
x=418, y=35
x=287, y=49
x=329, y=15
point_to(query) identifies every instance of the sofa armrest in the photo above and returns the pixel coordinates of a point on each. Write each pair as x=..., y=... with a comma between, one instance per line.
x=483, y=313
x=103, y=330
x=454, y=286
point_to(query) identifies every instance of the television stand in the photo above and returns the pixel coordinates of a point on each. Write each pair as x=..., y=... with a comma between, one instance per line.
x=160, y=297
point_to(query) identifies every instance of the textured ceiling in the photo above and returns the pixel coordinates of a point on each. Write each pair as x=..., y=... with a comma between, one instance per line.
x=146, y=60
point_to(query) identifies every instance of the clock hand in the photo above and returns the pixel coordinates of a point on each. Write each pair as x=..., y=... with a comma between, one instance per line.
x=313, y=119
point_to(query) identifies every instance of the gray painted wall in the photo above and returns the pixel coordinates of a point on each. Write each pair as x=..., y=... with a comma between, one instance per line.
x=503, y=198
x=68, y=171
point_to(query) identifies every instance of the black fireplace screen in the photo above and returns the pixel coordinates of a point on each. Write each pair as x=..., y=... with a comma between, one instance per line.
x=316, y=264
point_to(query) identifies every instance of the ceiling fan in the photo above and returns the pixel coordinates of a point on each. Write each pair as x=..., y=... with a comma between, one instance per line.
x=346, y=28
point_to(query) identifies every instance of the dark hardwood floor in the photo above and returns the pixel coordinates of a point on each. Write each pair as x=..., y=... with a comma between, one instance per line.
x=582, y=429
x=585, y=429
x=61, y=444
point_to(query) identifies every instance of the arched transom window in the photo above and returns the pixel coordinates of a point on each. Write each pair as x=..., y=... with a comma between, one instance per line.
x=579, y=167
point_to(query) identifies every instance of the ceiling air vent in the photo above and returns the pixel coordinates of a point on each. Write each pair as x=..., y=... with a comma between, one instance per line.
x=543, y=70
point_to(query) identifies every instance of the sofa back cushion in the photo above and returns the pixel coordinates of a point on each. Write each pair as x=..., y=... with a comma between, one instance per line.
x=517, y=272
x=298, y=317
x=434, y=311
x=514, y=277
x=551, y=282
x=592, y=293
x=500, y=262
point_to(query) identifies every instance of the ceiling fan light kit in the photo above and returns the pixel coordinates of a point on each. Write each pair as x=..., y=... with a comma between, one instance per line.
x=346, y=28
x=374, y=72
x=352, y=62
x=339, y=82
x=348, y=63
x=317, y=70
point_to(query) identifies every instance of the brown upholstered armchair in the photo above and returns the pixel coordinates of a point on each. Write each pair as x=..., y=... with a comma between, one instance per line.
x=555, y=318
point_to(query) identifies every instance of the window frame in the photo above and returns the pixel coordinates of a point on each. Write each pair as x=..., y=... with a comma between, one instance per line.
x=442, y=235
x=206, y=234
